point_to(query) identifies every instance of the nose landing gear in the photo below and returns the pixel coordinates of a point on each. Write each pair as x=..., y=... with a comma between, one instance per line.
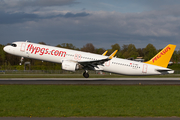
x=86, y=74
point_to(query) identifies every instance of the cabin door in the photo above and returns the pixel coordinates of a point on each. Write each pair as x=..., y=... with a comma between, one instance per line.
x=145, y=67
x=23, y=48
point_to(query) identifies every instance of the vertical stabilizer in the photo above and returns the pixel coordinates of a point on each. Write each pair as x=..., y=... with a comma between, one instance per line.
x=163, y=57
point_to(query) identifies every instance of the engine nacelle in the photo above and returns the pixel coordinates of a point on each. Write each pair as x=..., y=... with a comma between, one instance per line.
x=69, y=65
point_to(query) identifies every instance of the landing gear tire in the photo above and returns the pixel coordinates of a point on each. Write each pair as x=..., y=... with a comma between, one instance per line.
x=85, y=74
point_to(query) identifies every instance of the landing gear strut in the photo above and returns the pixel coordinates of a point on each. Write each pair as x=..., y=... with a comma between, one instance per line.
x=86, y=74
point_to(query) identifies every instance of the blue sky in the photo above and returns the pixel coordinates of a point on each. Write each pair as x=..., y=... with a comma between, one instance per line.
x=100, y=22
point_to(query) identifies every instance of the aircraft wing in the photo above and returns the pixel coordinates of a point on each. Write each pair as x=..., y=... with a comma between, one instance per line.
x=94, y=63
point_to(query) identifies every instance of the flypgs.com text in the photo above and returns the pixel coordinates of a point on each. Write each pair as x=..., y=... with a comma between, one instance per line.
x=43, y=51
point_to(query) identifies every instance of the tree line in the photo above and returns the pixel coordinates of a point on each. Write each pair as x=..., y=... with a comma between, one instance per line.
x=11, y=62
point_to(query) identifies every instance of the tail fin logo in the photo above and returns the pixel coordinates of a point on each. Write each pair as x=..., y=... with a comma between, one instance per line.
x=163, y=57
x=158, y=56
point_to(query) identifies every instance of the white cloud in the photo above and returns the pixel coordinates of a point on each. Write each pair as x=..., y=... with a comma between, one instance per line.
x=102, y=28
x=42, y=3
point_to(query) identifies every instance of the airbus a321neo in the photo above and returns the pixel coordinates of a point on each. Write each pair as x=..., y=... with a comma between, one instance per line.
x=72, y=59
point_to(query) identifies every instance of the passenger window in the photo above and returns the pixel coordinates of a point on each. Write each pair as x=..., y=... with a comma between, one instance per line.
x=14, y=45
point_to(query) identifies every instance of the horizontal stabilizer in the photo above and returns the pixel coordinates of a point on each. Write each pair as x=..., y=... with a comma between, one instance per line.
x=167, y=71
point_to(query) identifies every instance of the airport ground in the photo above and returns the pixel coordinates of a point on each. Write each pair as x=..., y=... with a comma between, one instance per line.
x=109, y=96
x=80, y=97
x=67, y=74
x=81, y=76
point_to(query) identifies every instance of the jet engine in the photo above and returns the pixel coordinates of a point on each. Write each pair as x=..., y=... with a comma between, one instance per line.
x=70, y=65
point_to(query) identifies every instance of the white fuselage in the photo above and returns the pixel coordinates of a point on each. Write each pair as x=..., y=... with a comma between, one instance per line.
x=58, y=55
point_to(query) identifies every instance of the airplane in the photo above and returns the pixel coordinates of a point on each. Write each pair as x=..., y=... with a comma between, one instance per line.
x=72, y=60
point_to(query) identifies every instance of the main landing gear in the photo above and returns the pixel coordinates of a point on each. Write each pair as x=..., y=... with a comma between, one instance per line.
x=86, y=74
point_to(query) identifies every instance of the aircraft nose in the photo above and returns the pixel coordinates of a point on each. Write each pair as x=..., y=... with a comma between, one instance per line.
x=5, y=48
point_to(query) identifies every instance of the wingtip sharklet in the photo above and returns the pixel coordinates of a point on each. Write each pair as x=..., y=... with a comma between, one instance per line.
x=104, y=53
x=113, y=54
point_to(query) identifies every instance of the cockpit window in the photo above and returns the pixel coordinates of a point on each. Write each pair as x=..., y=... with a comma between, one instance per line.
x=14, y=45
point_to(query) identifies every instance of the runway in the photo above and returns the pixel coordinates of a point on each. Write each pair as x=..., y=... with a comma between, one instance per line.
x=91, y=81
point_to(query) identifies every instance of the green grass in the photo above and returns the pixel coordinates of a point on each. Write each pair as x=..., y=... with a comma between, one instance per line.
x=89, y=100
